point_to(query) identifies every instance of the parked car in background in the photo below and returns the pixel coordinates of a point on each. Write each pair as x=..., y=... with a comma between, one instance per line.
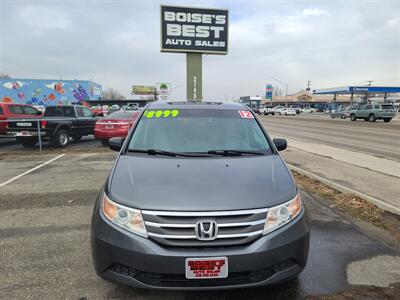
x=297, y=108
x=16, y=111
x=113, y=108
x=260, y=109
x=342, y=112
x=288, y=112
x=116, y=124
x=132, y=106
x=277, y=109
x=256, y=109
x=309, y=110
x=41, y=108
x=58, y=124
x=373, y=112
x=267, y=110
x=97, y=110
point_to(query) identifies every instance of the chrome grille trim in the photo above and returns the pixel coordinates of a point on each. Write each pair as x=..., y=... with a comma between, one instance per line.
x=221, y=236
x=153, y=224
x=178, y=229
x=220, y=225
x=204, y=213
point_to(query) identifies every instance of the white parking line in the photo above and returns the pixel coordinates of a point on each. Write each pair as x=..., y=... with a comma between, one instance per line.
x=31, y=170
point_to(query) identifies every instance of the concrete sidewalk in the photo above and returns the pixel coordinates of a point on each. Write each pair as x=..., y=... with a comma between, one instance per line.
x=363, y=160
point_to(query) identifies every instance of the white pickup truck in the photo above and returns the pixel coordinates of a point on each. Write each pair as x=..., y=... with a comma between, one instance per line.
x=266, y=110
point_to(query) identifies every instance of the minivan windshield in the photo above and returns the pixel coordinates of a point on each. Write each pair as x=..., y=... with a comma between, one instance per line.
x=198, y=131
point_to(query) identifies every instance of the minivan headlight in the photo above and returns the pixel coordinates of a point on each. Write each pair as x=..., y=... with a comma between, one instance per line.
x=282, y=214
x=125, y=217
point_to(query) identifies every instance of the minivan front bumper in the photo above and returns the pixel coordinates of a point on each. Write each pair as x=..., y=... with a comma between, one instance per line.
x=126, y=258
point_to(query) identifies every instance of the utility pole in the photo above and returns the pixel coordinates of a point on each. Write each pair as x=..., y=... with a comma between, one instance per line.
x=308, y=85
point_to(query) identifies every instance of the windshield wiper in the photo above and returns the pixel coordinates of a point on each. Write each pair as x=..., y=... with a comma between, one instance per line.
x=153, y=152
x=166, y=153
x=234, y=152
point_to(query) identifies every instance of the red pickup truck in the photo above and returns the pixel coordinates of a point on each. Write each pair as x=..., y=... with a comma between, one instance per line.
x=16, y=111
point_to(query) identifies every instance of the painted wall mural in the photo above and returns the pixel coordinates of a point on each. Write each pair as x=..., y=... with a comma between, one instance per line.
x=48, y=92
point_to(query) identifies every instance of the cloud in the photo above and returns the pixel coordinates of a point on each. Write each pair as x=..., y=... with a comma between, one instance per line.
x=314, y=12
x=40, y=17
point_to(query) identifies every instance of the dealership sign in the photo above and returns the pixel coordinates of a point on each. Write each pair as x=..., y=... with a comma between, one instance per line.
x=186, y=29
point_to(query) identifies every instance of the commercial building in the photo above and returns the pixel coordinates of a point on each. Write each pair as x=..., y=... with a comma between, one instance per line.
x=47, y=92
x=306, y=99
x=333, y=97
x=253, y=102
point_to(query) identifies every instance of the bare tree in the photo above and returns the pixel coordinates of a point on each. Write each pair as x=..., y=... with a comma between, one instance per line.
x=4, y=76
x=112, y=94
x=277, y=91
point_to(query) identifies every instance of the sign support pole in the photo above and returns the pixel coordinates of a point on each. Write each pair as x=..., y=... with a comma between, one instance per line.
x=194, y=76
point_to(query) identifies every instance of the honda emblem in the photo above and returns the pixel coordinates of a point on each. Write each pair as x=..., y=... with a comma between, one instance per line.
x=206, y=230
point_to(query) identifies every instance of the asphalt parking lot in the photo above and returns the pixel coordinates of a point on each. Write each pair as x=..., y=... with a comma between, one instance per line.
x=45, y=249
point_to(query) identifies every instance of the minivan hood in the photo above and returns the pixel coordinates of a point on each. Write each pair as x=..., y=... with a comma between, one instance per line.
x=200, y=184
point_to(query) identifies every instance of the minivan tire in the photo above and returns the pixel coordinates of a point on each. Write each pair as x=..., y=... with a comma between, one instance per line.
x=372, y=118
x=60, y=138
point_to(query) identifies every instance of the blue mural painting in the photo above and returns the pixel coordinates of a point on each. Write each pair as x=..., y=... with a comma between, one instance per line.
x=48, y=92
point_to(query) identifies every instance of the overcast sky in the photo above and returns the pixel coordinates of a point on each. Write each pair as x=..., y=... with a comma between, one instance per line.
x=117, y=44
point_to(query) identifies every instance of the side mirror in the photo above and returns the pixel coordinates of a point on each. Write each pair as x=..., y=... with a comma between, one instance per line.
x=116, y=143
x=280, y=144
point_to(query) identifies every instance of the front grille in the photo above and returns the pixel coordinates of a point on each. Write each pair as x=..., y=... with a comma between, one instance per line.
x=177, y=229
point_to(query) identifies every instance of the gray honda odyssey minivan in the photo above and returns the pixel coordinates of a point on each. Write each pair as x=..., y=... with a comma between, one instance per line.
x=199, y=198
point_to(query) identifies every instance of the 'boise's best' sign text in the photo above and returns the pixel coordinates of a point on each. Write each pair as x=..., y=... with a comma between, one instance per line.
x=185, y=29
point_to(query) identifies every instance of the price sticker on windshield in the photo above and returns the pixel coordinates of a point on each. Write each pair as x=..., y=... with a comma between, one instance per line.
x=162, y=113
x=245, y=114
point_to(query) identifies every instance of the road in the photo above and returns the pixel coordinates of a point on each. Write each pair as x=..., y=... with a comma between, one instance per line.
x=45, y=241
x=378, y=138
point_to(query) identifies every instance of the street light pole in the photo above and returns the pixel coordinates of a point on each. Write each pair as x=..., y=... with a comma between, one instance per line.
x=286, y=94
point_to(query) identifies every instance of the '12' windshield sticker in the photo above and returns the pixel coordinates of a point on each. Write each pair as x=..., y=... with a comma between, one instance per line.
x=167, y=113
x=246, y=114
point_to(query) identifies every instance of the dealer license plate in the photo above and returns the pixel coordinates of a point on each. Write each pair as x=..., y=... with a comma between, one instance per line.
x=206, y=267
